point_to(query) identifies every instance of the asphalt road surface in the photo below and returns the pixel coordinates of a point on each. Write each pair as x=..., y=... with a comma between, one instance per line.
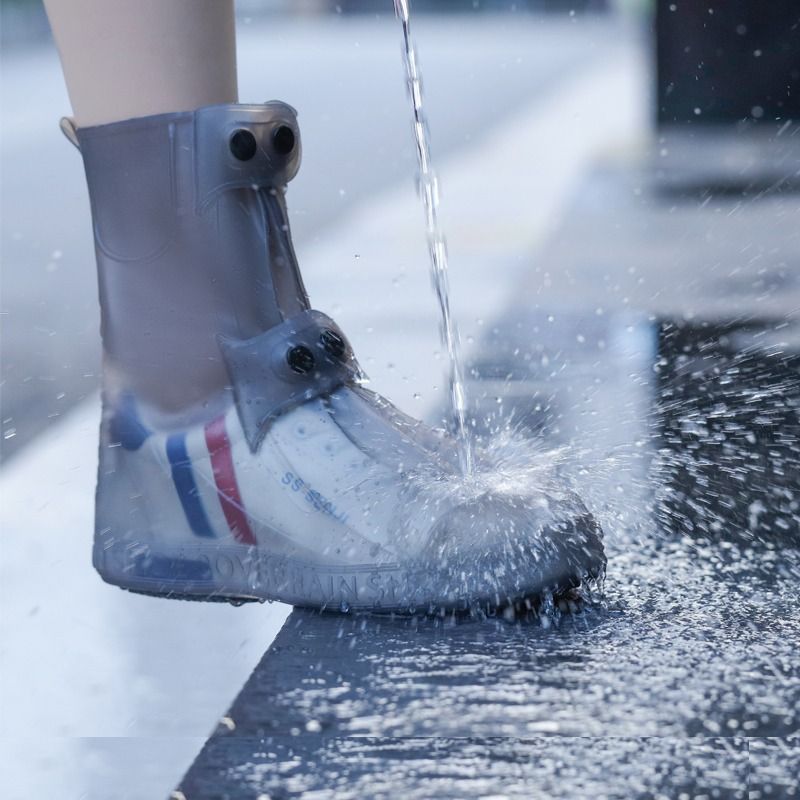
x=344, y=75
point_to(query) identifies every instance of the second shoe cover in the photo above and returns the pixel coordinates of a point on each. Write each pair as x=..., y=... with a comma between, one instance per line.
x=241, y=457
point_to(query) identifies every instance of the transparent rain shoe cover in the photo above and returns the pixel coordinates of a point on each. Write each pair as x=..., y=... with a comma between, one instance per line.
x=240, y=456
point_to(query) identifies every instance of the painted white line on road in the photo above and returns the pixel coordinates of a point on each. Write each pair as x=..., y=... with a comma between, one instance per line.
x=81, y=659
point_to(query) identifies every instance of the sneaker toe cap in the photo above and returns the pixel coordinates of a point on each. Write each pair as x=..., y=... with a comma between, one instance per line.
x=504, y=548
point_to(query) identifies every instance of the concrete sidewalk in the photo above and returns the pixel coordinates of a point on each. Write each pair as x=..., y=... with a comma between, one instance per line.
x=109, y=695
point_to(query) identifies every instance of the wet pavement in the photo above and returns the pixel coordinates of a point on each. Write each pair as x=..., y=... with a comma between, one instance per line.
x=682, y=679
x=728, y=463
x=532, y=768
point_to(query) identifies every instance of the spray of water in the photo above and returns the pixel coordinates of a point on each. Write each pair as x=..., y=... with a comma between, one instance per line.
x=437, y=247
x=515, y=521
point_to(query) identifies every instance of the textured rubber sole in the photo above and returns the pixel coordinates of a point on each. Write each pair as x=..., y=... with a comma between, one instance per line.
x=237, y=574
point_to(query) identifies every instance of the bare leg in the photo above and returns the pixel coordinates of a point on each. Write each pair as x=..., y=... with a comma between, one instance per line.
x=133, y=58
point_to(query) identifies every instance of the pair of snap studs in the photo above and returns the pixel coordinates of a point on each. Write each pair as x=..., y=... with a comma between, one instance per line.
x=300, y=358
x=244, y=146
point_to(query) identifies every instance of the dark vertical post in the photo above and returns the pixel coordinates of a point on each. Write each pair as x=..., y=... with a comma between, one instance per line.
x=721, y=61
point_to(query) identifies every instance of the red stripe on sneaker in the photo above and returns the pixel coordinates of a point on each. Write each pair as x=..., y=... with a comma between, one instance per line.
x=219, y=448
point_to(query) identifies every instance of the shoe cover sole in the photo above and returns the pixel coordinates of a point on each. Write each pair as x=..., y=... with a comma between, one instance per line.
x=238, y=574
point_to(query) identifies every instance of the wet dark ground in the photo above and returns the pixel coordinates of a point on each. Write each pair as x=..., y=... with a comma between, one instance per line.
x=682, y=679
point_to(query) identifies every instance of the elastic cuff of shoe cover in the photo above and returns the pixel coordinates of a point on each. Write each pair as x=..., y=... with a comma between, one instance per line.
x=305, y=357
x=233, y=146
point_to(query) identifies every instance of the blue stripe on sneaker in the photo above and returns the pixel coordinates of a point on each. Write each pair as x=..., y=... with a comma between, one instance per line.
x=185, y=486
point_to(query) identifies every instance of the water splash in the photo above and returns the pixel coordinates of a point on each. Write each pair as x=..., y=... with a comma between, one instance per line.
x=437, y=247
x=512, y=529
x=505, y=464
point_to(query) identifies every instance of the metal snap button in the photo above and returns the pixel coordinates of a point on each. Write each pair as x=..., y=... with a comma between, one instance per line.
x=333, y=343
x=300, y=359
x=283, y=140
x=243, y=144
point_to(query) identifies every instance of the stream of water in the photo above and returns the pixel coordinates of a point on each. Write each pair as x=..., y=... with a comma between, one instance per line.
x=437, y=246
